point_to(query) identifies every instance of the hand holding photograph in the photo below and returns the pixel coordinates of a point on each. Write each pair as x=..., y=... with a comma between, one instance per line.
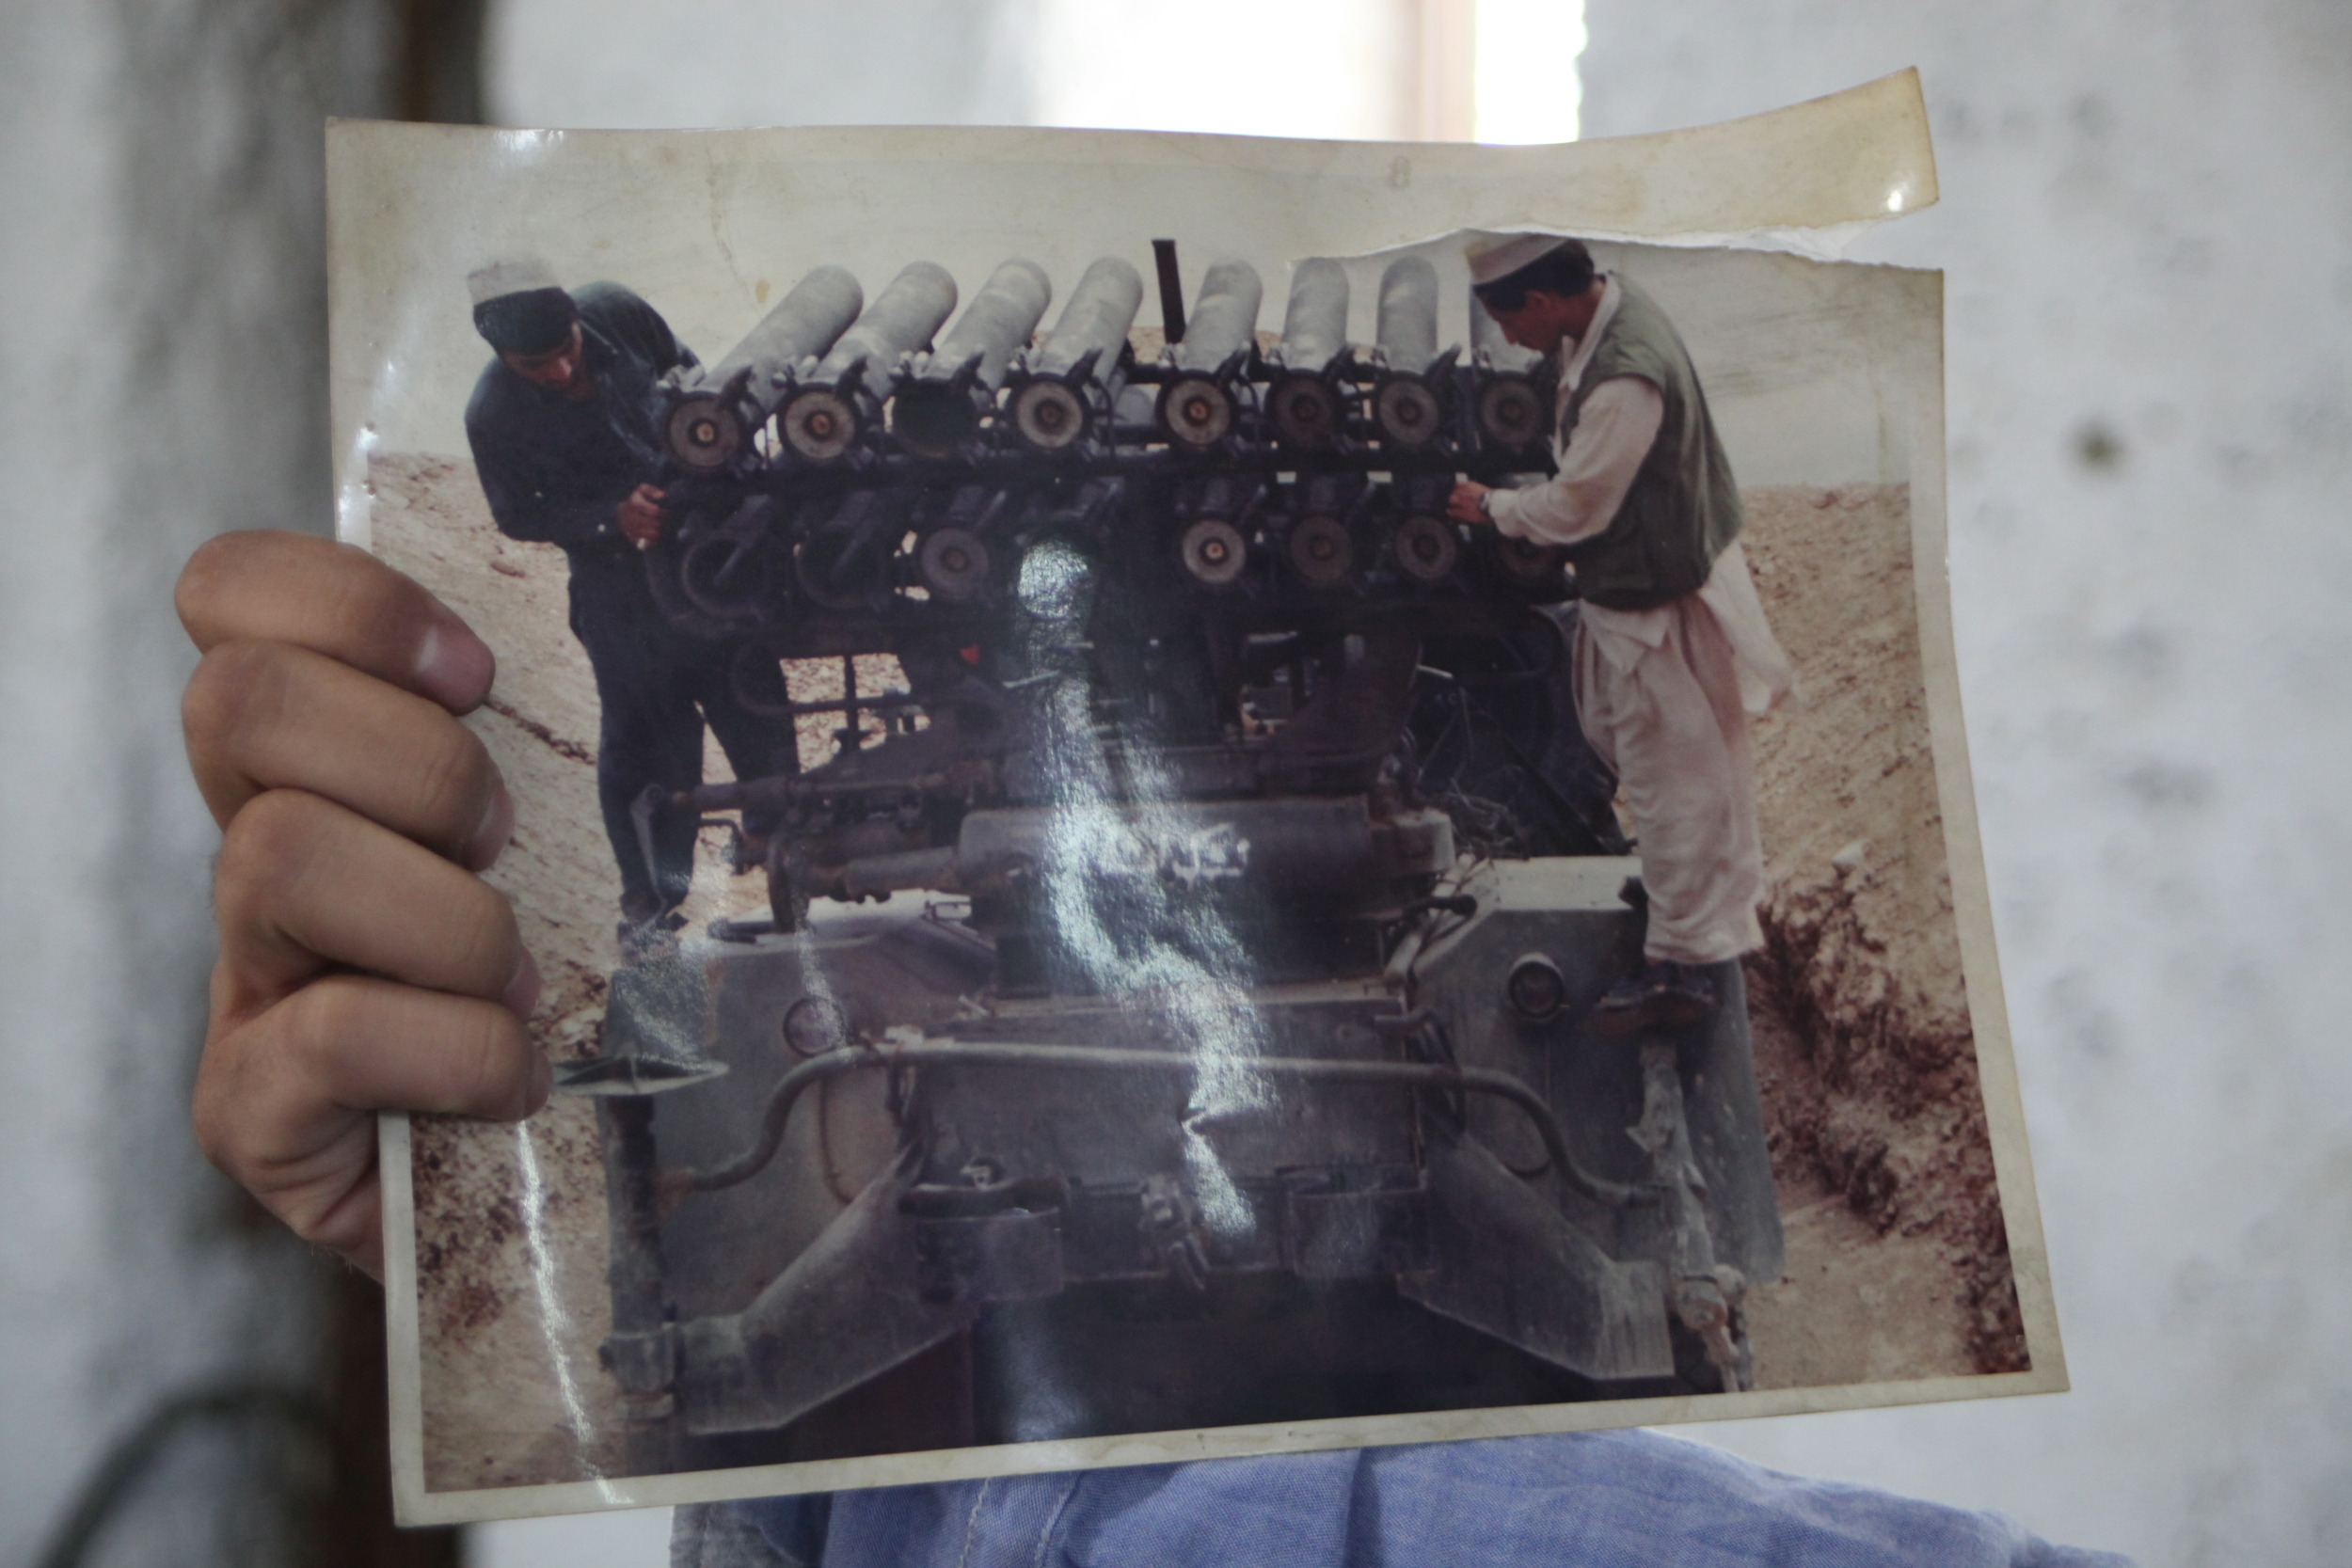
x=1183, y=796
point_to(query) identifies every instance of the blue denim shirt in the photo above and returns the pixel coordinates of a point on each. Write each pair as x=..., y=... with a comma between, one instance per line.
x=1606, y=1499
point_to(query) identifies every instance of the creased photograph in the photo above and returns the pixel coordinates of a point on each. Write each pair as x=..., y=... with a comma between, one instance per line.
x=1178, y=797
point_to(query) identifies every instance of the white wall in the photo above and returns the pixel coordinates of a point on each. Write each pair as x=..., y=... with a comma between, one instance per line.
x=162, y=376
x=2147, y=229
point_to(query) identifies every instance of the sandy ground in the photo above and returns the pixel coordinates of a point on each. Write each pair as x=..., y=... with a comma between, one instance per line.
x=1861, y=1020
x=1897, y=1264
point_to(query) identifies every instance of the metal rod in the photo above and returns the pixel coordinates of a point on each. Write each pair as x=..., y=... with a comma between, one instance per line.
x=1171, y=291
x=1412, y=1075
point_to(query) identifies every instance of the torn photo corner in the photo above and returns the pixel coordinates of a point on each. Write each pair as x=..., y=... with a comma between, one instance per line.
x=1184, y=796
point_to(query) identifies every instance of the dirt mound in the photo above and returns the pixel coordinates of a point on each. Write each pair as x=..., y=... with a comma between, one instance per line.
x=1863, y=1021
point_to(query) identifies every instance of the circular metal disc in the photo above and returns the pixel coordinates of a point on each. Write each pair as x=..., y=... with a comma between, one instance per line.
x=818, y=425
x=1528, y=562
x=1536, y=989
x=1196, y=412
x=1214, y=552
x=1426, y=548
x=723, y=576
x=1321, y=550
x=702, y=436
x=953, y=563
x=1306, y=411
x=1406, y=411
x=1509, y=412
x=1048, y=416
x=815, y=1024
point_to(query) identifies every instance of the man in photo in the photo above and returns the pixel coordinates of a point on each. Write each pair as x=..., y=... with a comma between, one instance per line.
x=1673, y=654
x=561, y=426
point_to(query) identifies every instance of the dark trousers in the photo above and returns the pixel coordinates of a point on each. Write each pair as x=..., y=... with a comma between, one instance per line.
x=657, y=686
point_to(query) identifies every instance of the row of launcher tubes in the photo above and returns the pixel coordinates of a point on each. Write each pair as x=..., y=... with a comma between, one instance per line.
x=824, y=363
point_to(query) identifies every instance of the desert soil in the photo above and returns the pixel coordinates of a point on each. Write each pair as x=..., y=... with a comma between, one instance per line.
x=1897, y=1265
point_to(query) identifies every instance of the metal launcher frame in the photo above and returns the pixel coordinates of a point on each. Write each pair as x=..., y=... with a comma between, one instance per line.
x=1248, y=1075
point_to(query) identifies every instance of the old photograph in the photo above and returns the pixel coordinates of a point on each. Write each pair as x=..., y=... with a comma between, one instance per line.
x=1170, y=823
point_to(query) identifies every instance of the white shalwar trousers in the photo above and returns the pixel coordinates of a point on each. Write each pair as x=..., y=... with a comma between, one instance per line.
x=1665, y=696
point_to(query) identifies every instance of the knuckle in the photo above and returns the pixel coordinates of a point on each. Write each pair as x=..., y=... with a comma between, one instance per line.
x=484, y=1063
x=203, y=580
x=236, y=686
x=454, y=777
x=266, y=844
x=485, y=935
x=387, y=611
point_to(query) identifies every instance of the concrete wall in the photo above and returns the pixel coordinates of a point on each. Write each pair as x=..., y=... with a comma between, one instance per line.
x=162, y=377
x=2146, y=224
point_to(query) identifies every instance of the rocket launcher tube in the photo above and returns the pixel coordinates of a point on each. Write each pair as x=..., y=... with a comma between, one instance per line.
x=1224, y=317
x=1101, y=309
x=1315, y=327
x=713, y=412
x=1196, y=409
x=996, y=326
x=1407, y=406
x=1408, y=314
x=1307, y=409
x=823, y=419
x=900, y=321
x=940, y=403
x=1049, y=414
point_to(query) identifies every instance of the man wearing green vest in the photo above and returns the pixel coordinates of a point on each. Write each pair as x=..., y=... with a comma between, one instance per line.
x=1673, y=654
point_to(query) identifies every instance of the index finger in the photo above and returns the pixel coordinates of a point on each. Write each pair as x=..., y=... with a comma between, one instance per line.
x=272, y=586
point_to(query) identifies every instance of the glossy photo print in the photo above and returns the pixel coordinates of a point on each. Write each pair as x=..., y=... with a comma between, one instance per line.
x=1183, y=796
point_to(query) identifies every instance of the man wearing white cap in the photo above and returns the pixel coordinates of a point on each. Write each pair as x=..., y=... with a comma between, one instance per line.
x=1673, y=654
x=562, y=428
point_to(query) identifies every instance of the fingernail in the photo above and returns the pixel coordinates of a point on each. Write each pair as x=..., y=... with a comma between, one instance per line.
x=521, y=996
x=497, y=827
x=542, y=1083
x=452, y=669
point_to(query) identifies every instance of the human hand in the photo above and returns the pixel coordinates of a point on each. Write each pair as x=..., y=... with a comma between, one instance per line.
x=1464, y=504
x=641, y=516
x=363, y=966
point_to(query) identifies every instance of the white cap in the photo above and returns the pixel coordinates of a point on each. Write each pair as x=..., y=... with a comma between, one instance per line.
x=1498, y=256
x=515, y=275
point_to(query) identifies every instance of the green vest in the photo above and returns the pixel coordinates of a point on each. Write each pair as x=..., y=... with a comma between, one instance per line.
x=1684, y=506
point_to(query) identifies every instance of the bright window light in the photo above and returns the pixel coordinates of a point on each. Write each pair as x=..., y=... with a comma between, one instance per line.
x=1259, y=67
x=1529, y=88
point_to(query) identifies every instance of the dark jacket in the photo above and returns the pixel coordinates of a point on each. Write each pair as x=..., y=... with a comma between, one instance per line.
x=555, y=470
